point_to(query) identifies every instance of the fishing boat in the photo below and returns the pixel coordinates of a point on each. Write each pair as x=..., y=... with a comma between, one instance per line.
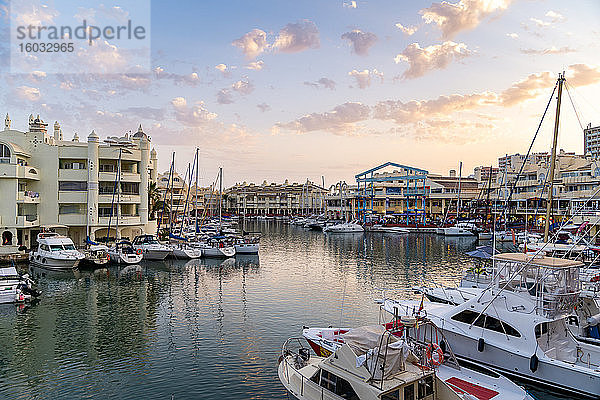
x=462, y=377
x=151, y=248
x=519, y=325
x=15, y=288
x=346, y=227
x=124, y=253
x=371, y=364
x=55, y=251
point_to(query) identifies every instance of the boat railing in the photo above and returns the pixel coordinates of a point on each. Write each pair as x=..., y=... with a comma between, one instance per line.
x=306, y=384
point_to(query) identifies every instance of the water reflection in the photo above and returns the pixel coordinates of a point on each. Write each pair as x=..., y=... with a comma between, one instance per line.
x=206, y=328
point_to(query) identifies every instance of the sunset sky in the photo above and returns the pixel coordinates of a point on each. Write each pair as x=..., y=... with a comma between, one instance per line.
x=271, y=90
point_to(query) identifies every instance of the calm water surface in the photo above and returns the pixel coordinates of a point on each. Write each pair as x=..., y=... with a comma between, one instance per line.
x=207, y=329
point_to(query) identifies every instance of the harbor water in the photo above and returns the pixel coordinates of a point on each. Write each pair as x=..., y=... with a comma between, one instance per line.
x=209, y=329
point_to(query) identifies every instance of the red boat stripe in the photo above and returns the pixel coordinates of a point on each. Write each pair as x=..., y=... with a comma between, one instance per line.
x=480, y=392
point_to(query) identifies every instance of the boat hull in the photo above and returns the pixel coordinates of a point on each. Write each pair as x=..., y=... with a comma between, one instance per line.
x=251, y=248
x=149, y=254
x=120, y=258
x=187, y=253
x=53, y=263
x=218, y=252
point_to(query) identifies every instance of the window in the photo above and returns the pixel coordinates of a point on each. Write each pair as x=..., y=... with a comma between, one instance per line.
x=72, y=186
x=4, y=154
x=486, y=322
x=106, y=168
x=71, y=209
x=425, y=387
x=395, y=395
x=409, y=392
x=69, y=164
x=337, y=385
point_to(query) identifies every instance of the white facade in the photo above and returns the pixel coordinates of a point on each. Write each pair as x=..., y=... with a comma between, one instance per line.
x=47, y=181
x=591, y=141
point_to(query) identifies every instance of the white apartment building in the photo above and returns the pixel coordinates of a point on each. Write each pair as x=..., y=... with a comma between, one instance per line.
x=47, y=181
x=591, y=141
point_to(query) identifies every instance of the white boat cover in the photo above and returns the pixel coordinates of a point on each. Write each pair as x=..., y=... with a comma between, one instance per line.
x=369, y=344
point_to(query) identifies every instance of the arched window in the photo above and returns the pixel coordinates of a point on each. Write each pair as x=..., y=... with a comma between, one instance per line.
x=597, y=171
x=4, y=153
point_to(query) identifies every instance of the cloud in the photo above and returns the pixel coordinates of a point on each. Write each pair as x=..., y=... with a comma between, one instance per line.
x=191, y=79
x=363, y=78
x=350, y=4
x=453, y=18
x=256, y=65
x=297, y=37
x=340, y=120
x=554, y=16
x=195, y=115
x=423, y=60
x=539, y=22
x=222, y=68
x=243, y=87
x=551, y=50
x=157, y=114
x=407, y=30
x=527, y=88
x=512, y=35
x=414, y=111
x=264, y=107
x=224, y=96
x=583, y=75
x=252, y=43
x=361, y=41
x=324, y=83
x=29, y=13
x=28, y=93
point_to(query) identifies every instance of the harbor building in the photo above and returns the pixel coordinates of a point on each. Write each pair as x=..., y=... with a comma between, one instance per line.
x=409, y=194
x=275, y=200
x=342, y=201
x=591, y=141
x=576, y=180
x=48, y=181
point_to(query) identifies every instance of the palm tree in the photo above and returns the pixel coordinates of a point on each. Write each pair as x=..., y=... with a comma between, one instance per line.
x=154, y=200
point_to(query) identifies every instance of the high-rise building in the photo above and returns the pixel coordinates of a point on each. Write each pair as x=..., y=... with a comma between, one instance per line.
x=591, y=141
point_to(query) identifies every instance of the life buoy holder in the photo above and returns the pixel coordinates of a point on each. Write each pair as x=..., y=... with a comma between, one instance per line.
x=138, y=251
x=432, y=350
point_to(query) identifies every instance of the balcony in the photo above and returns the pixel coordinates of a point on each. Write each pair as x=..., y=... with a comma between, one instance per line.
x=124, y=198
x=28, y=197
x=27, y=221
x=72, y=219
x=123, y=221
x=72, y=197
x=19, y=171
x=73, y=174
x=125, y=177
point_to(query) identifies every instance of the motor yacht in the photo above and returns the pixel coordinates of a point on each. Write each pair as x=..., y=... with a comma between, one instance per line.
x=372, y=364
x=151, y=248
x=124, y=253
x=55, y=252
x=458, y=376
x=346, y=227
x=96, y=256
x=15, y=288
x=519, y=324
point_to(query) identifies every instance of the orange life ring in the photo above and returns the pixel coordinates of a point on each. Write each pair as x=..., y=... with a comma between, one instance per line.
x=433, y=349
x=138, y=251
x=221, y=244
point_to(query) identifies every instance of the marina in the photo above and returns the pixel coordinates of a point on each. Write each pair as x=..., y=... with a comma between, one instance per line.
x=126, y=330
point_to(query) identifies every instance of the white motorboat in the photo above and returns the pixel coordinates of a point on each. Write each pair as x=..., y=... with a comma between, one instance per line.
x=346, y=227
x=55, y=252
x=151, y=248
x=519, y=325
x=15, y=288
x=371, y=365
x=461, y=229
x=217, y=247
x=186, y=251
x=247, y=245
x=474, y=381
x=124, y=253
x=390, y=229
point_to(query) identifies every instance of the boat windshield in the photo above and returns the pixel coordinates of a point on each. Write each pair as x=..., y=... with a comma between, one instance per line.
x=69, y=247
x=56, y=247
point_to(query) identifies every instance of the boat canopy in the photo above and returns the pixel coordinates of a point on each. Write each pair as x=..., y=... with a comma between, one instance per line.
x=8, y=272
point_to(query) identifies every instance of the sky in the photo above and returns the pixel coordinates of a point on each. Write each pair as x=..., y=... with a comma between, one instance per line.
x=275, y=90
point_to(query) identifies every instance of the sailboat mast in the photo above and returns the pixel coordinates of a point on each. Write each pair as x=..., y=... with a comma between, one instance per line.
x=171, y=200
x=220, y=198
x=118, y=192
x=458, y=195
x=196, y=194
x=561, y=79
